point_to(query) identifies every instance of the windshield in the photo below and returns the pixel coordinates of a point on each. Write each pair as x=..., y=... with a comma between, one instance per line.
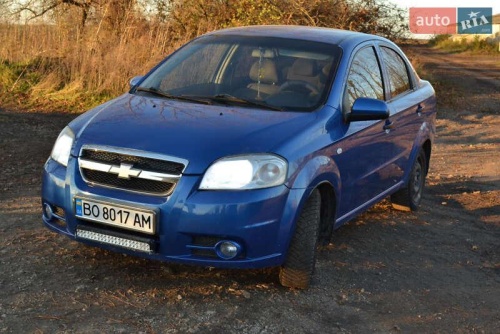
x=283, y=74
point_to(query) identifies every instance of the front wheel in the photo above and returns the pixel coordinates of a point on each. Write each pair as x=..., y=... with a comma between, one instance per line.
x=298, y=268
x=409, y=197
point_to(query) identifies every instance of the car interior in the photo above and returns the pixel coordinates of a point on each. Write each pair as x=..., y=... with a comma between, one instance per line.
x=284, y=77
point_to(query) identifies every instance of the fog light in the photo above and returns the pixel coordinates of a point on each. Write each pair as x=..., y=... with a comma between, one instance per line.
x=47, y=211
x=227, y=249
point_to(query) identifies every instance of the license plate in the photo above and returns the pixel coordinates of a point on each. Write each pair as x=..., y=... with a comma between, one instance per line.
x=116, y=215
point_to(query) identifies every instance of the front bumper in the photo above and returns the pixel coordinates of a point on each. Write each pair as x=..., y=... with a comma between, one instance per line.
x=190, y=222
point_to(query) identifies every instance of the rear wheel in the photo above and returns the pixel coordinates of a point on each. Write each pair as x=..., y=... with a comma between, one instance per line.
x=298, y=268
x=409, y=197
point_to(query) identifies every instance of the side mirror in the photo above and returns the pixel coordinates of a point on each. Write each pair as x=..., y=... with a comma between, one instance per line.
x=135, y=80
x=367, y=109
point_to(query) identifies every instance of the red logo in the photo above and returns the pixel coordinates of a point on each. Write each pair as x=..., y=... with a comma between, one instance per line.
x=433, y=20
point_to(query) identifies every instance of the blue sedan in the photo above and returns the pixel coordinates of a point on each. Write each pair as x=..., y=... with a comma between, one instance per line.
x=245, y=148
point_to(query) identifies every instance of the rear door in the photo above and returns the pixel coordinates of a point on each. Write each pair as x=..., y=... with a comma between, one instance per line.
x=404, y=104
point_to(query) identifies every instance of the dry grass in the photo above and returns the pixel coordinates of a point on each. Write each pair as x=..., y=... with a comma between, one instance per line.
x=50, y=65
x=67, y=63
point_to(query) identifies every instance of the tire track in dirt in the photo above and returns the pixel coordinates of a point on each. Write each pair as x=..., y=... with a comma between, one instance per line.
x=485, y=70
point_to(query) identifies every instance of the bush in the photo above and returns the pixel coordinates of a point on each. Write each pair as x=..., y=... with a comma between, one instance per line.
x=76, y=54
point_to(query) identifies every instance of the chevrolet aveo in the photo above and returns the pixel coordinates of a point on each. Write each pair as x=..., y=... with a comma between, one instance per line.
x=244, y=149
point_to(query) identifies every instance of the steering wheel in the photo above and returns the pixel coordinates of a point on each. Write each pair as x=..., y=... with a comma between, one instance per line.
x=298, y=85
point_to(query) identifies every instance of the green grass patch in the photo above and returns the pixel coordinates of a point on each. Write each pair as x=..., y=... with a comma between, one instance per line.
x=475, y=45
x=18, y=77
x=38, y=85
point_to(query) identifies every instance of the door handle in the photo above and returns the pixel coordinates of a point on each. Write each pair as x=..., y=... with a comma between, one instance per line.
x=420, y=109
x=388, y=125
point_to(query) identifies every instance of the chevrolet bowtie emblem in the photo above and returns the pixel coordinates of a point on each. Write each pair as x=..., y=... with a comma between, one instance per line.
x=125, y=171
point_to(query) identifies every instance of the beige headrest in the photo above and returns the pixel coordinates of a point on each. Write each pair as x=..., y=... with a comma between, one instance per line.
x=302, y=67
x=266, y=70
x=266, y=53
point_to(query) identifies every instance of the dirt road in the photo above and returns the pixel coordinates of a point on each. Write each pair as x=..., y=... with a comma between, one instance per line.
x=437, y=270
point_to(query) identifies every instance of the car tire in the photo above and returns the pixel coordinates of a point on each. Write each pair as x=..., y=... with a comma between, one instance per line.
x=298, y=268
x=409, y=197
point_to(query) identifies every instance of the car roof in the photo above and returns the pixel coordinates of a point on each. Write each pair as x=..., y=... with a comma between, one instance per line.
x=316, y=34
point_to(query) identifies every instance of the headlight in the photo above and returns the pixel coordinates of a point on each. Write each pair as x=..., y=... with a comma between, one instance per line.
x=245, y=172
x=62, y=147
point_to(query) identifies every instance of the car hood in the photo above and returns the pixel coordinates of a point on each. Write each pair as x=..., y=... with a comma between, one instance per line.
x=198, y=133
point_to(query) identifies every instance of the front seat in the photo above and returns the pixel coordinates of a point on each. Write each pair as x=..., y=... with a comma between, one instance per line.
x=304, y=70
x=265, y=77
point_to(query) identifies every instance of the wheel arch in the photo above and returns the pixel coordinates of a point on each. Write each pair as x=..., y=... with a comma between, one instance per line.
x=328, y=211
x=422, y=142
x=323, y=174
x=427, y=147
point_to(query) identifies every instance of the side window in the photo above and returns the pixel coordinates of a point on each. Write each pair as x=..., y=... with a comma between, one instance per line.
x=364, y=79
x=397, y=70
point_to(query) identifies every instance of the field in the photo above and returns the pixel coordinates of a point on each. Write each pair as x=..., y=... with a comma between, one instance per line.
x=436, y=270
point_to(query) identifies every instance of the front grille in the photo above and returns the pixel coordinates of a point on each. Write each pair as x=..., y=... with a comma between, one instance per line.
x=150, y=164
x=143, y=172
x=113, y=180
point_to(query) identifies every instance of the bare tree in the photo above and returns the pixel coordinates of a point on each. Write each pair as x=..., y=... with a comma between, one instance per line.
x=111, y=12
x=33, y=9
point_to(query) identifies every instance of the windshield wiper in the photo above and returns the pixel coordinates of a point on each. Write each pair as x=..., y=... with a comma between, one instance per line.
x=158, y=92
x=226, y=98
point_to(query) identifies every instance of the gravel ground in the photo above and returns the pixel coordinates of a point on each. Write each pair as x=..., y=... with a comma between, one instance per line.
x=436, y=270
